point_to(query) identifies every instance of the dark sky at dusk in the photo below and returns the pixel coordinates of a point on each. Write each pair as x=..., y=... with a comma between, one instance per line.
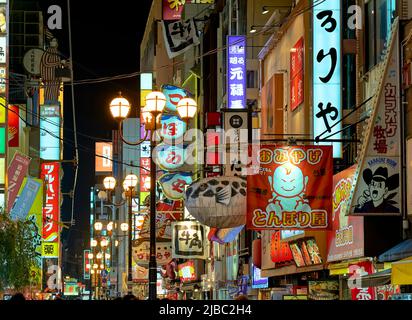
x=106, y=42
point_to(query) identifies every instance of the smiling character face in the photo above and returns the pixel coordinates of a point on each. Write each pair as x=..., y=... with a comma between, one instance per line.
x=288, y=181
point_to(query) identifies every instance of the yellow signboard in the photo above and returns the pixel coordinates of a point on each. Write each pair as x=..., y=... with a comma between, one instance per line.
x=50, y=249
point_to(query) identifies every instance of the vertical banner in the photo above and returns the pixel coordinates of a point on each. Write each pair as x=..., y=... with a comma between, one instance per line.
x=356, y=271
x=86, y=265
x=377, y=182
x=297, y=59
x=16, y=172
x=104, y=156
x=50, y=173
x=292, y=188
x=50, y=132
x=14, y=126
x=346, y=239
x=236, y=72
x=327, y=86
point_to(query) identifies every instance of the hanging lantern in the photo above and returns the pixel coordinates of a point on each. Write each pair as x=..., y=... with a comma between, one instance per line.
x=218, y=202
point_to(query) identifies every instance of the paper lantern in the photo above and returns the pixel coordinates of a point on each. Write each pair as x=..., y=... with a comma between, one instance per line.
x=218, y=202
x=257, y=253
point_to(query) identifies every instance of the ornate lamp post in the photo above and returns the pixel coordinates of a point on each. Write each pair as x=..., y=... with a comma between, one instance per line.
x=150, y=114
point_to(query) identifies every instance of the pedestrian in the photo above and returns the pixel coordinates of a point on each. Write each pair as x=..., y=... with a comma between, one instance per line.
x=18, y=297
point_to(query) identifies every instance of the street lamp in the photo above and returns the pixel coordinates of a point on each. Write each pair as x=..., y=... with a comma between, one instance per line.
x=93, y=243
x=120, y=107
x=98, y=226
x=109, y=183
x=124, y=227
x=150, y=114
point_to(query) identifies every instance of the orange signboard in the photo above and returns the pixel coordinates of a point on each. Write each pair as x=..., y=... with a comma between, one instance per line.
x=104, y=155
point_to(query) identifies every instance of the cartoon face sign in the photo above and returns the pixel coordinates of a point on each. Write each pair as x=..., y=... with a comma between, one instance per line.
x=288, y=181
x=141, y=252
x=378, y=189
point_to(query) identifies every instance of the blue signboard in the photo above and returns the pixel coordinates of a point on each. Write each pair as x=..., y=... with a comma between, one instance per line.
x=236, y=72
x=50, y=132
x=327, y=86
x=25, y=200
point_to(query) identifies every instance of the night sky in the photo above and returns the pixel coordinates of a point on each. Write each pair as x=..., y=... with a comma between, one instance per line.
x=106, y=42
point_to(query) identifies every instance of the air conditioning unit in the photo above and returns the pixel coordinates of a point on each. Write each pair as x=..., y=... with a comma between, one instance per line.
x=406, y=10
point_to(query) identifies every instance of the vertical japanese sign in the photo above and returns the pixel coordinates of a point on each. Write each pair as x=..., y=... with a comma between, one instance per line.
x=356, y=271
x=327, y=87
x=189, y=240
x=236, y=72
x=297, y=58
x=377, y=182
x=50, y=132
x=16, y=172
x=14, y=126
x=104, y=156
x=292, y=188
x=50, y=173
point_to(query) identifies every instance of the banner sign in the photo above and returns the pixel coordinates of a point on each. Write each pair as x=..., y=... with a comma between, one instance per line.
x=180, y=36
x=377, y=181
x=25, y=200
x=292, y=188
x=236, y=75
x=16, y=172
x=14, y=126
x=173, y=128
x=327, y=86
x=50, y=275
x=323, y=290
x=346, y=240
x=297, y=59
x=104, y=156
x=356, y=271
x=189, y=240
x=35, y=217
x=50, y=173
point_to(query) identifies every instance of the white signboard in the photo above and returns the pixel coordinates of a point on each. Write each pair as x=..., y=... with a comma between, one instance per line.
x=189, y=240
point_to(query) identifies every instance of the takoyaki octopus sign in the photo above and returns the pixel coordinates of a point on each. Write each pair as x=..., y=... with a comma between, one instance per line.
x=291, y=188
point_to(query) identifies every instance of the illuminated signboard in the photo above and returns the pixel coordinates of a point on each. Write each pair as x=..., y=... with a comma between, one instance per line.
x=327, y=87
x=257, y=280
x=50, y=132
x=187, y=271
x=174, y=95
x=173, y=128
x=236, y=77
x=50, y=173
x=104, y=155
x=86, y=265
x=292, y=188
x=3, y=49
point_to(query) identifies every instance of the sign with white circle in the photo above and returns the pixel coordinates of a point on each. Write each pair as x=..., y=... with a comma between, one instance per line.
x=32, y=60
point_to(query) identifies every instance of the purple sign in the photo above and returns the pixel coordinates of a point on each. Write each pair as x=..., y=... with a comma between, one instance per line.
x=236, y=72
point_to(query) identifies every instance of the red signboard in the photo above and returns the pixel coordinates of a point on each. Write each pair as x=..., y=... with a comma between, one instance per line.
x=297, y=58
x=144, y=166
x=14, y=126
x=290, y=188
x=172, y=9
x=187, y=271
x=346, y=240
x=280, y=252
x=145, y=183
x=356, y=271
x=50, y=173
x=16, y=172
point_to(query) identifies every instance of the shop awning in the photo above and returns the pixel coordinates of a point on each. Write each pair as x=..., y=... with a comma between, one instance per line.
x=402, y=272
x=398, y=252
x=376, y=279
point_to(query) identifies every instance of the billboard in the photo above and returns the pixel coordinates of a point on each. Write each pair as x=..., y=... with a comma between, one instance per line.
x=327, y=86
x=25, y=200
x=346, y=239
x=104, y=156
x=50, y=132
x=16, y=172
x=50, y=173
x=291, y=188
x=172, y=10
x=377, y=180
x=236, y=74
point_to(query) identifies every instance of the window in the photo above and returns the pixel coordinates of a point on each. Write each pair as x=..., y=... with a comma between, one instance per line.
x=378, y=22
